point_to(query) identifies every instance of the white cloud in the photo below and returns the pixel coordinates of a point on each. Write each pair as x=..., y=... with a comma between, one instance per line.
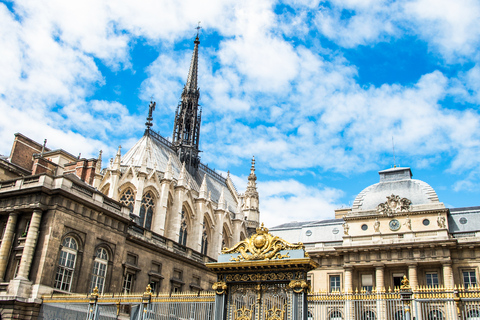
x=450, y=26
x=289, y=200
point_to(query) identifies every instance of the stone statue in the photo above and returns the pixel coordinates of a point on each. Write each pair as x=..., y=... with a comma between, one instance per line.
x=151, y=108
x=441, y=221
x=345, y=228
x=376, y=225
x=408, y=223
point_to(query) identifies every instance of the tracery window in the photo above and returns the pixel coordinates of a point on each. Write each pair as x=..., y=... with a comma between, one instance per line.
x=182, y=239
x=99, y=270
x=146, y=210
x=204, y=239
x=128, y=198
x=66, y=264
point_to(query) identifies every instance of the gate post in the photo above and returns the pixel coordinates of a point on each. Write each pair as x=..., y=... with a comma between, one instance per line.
x=458, y=303
x=220, y=289
x=92, y=308
x=146, y=299
x=406, y=294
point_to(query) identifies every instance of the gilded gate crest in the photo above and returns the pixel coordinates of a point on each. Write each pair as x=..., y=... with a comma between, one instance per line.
x=262, y=246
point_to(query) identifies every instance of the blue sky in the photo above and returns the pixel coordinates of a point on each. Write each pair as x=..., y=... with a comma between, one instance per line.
x=314, y=89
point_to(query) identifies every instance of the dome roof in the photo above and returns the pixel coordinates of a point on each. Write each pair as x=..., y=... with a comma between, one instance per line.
x=396, y=181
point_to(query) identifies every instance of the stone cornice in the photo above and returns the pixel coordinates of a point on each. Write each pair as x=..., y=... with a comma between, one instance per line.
x=366, y=215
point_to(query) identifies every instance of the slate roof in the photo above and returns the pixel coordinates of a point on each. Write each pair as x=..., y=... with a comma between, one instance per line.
x=157, y=150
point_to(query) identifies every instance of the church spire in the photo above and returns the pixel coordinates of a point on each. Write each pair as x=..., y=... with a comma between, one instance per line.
x=186, y=129
x=251, y=201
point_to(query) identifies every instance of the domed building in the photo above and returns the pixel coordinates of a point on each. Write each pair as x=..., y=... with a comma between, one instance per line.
x=396, y=227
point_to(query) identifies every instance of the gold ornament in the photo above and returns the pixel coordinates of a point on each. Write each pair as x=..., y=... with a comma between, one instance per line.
x=219, y=287
x=298, y=285
x=261, y=246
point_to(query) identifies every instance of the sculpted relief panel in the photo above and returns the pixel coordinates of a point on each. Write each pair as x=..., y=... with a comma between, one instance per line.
x=394, y=204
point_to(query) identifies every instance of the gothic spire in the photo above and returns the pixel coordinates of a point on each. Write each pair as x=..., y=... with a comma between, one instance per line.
x=186, y=129
x=252, y=181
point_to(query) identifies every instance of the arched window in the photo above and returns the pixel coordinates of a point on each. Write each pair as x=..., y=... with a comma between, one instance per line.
x=225, y=239
x=146, y=210
x=204, y=238
x=99, y=270
x=335, y=315
x=368, y=315
x=182, y=239
x=66, y=264
x=473, y=314
x=435, y=315
x=128, y=198
x=399, y=315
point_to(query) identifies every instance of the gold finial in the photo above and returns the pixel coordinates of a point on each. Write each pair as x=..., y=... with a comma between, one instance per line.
x=405, y=284
x=148, y=290
x=94, y=292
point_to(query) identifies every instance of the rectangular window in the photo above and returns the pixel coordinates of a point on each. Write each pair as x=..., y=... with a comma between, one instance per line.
x=128, y=283
x=432, y=279
x=335, y=283
x=469, y=278
x=367, y=282
x=155, y=285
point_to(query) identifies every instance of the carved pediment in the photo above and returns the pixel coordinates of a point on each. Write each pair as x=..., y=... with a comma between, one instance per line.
x=394, y=204
x=261, y=246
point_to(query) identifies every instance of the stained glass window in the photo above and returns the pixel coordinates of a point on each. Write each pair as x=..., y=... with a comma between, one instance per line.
x=183, y=230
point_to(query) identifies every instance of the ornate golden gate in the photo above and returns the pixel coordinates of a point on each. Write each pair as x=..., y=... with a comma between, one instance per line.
x=262, y=278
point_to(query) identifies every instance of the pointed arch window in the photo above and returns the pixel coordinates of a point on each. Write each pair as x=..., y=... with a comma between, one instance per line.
x=66, y=264
x=146, y=210
x=183, y=230
x=204, y=239
x=225, y=242
x=99, y=270
x=128, y=198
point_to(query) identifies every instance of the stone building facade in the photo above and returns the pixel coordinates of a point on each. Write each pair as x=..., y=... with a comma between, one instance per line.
x=154, y=215
x=395, y=227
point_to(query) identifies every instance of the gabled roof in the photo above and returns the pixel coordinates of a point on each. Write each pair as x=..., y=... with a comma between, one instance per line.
x=157, y=151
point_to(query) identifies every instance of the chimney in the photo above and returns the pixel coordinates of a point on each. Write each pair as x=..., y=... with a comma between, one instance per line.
x=83, y=169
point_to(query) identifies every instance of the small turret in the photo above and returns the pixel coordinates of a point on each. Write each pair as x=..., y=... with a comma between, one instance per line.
x=118, y=158
x=251, y=201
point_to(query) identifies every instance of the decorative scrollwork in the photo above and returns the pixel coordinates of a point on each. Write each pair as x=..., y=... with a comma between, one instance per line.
x=298, y=286
x=276, y=313
x=394, y=204
x=246, y=277
x=262, y=246
x=243, y=314
x=219, y=287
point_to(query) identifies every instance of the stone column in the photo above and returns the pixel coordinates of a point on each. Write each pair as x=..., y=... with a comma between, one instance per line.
x=348, y=280
x=380, y=277
x=412, y=276
x=448, y=276
x=30, y=243
x=349, y=306
x=7, y=243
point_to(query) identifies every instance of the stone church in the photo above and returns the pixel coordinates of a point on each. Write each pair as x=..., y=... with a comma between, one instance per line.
x=155, y=215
